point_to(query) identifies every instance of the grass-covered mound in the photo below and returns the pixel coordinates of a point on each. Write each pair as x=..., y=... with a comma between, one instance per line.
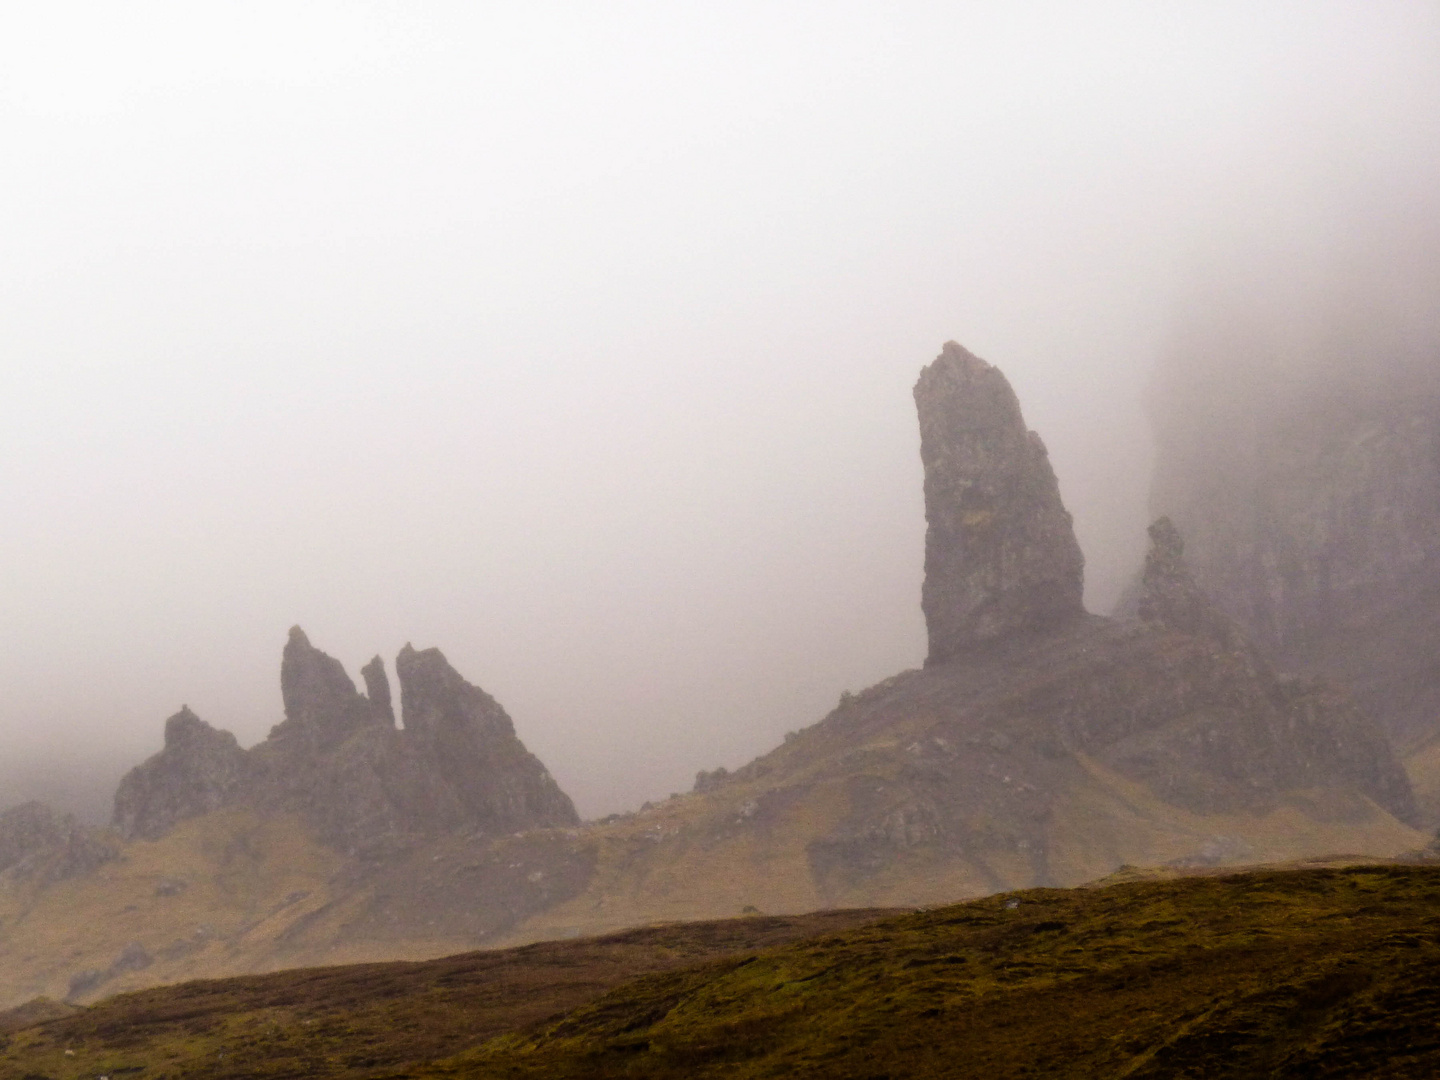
x=1313, y=973
x=1297, y=973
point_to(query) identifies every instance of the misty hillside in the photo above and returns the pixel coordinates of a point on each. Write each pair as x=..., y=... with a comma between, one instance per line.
x=1039, y=746
x=1298, y=431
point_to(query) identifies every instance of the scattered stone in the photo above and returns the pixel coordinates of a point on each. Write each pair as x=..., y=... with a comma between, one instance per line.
x=171, y=887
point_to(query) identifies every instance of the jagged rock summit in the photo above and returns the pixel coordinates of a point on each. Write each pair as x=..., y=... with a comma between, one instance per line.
x=472, y=742
x=339, y=759
x=1000, y=550
x=200, y=769
x=321, y=703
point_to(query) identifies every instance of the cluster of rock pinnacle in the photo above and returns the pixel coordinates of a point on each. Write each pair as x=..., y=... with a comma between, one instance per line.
x=339, y=759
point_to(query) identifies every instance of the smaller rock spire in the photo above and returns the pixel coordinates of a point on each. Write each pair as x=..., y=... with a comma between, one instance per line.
x=377, y=689
x=320, y=700
x=472, y=741
x=1169, y=594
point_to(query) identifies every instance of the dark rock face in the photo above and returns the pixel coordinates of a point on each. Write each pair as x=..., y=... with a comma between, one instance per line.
x=993, y=740
x=1178, y=699
x=1168, y=592
x=472, y=742
x=36, y=840
x=321, y=703
x=377, y=689
x=339, y=760
x=1000, y=551
x=199, y=770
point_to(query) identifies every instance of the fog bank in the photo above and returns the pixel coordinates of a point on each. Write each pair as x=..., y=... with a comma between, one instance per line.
x=579, y=343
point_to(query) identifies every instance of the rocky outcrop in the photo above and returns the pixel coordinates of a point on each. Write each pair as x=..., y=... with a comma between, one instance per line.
x=1168, y=594
x=37, y=841
x=200, y=769
x=472, y=742
x=338, y=759
x=321, y=703
x=1000, y=551
x=377, y=689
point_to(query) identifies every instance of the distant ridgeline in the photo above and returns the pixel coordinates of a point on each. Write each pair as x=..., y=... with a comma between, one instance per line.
x=1039, y=745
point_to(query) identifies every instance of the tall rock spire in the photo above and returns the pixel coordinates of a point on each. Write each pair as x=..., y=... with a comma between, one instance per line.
x=1000, y=551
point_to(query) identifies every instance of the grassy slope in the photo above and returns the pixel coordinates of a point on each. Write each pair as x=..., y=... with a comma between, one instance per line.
x=1297, y=973
x=366, y=1019
x=687, y=859
x=259, y=895
x=227, y=893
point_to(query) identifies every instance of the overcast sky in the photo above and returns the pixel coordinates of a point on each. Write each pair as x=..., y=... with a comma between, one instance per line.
x=578, y=340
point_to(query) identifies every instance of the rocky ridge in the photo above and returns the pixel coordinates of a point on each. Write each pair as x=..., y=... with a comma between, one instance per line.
x=1313, y=521
x=1309, y=493
x=339, y=760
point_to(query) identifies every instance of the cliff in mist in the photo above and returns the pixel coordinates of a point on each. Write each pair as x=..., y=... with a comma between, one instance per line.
x=1298, y=450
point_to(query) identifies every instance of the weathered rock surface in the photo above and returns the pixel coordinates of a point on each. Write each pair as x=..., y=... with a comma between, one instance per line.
x=1168, y=594
x=472, y=742
x=321, y=703
x=377, y=689
x=1000, y=549
x=339, y=760
x=38, y=841
x=200, y=769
